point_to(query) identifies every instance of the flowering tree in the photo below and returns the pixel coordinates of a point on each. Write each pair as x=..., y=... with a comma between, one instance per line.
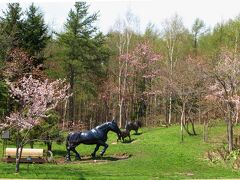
x=188, y=85
x=125, y=28
x=173, y=30
x=150, y=68
x=143, y=64
x=18, y=63
x=225, y=87
x=35, y=98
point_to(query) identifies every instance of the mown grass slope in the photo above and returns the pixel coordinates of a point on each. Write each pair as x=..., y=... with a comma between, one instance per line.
x=156, y=153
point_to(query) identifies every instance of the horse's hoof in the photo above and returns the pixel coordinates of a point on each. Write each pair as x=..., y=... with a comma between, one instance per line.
x=93, y=155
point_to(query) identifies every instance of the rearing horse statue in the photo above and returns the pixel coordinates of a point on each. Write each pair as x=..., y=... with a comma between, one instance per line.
x=96, y=136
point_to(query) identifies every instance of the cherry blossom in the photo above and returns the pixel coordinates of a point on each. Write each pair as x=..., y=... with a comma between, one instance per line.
x=35, y=97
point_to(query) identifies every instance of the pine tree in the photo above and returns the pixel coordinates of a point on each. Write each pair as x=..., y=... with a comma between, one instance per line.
x=85, y=50
x=10, y=38
x=35, y=36
x=11, y=23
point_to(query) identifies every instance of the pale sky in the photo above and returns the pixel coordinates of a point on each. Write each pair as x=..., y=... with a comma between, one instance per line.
x=154, y=11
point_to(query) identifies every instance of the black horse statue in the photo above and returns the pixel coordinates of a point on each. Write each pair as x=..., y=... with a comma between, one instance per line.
x=125, y=133
x=96, y=136
x=135, y=125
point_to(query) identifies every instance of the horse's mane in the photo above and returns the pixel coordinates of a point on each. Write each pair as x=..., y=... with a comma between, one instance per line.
x=102, y=125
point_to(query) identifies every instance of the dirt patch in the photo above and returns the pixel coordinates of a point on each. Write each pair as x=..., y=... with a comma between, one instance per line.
x=185, y=173
x=97, y=160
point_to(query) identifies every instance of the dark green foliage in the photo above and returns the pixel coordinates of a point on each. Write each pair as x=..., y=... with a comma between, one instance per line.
x=156, y=153
x=35, y=35
x=47, y=131
x=224, y=35
x=85, y=53
x=30, y=33
x=4, y=45
x=3, y=99
x=12, y=24
x=78, y=32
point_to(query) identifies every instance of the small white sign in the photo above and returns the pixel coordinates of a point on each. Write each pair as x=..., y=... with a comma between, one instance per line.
x=5, y=134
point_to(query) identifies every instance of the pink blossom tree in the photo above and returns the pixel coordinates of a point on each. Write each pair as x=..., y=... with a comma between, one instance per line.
x=125, y=28
x=143, y=72
x=187, y=87
x=35, y=99
x=225, y=88
x=148, y=64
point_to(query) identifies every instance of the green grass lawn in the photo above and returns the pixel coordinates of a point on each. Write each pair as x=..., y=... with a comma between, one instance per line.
x=155, y=154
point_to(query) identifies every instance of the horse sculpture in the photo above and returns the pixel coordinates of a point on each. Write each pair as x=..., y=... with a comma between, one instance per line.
x=96, y=136
x=125, y=133
x=133, y=126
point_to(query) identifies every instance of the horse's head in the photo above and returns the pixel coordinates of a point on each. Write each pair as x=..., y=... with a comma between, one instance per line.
x=114, y=127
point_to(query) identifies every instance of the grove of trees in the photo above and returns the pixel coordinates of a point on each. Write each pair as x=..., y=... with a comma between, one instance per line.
x=164, y=76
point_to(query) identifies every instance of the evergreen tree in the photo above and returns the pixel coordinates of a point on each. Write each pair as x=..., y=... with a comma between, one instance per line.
x=85, y=50
x=10, y=38
x=3, y=99
x=12, y=24
x=35, y=36
x=4, y=45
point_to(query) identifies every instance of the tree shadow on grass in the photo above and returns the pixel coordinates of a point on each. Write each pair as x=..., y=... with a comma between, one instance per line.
x=97, y=159
x=128, y=141
x=137, y=134
x=59, y=153
x=107, y=158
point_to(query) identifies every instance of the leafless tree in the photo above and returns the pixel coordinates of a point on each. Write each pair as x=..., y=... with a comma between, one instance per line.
x=173, y=29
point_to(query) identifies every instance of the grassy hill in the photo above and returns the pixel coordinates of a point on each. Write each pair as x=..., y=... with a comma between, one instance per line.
x=155, y=154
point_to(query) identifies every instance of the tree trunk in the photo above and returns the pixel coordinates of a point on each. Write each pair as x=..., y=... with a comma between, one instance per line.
x=120, y=113
x=171, y=80
x=17, y=161
x=230, y=135
x=195, y=44
x=166, y=113
x=64, y=114
x=205, y=130
x=199, y=115
x=193, y=127
x=237, y=114
x=31, y=144
x=230, y=128
x=71, y=98
x=18, y=158
x=17, y=153
x=17, y=165
x=170, y=109
x=49, y=146
x=182, y=118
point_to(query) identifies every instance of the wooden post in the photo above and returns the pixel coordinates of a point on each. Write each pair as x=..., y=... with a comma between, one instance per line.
x=239, y=140
x=236, y=141
x=3, y=141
